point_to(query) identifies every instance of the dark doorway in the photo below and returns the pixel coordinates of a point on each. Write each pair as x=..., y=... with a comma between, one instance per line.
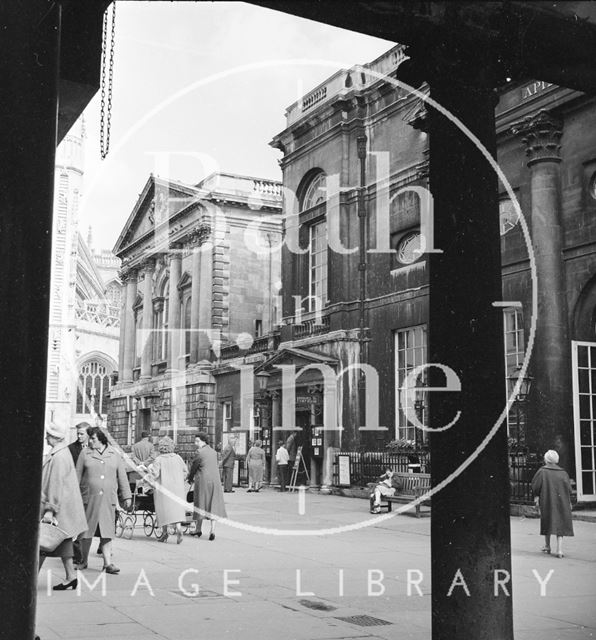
x=303, y=440
x=143, y=423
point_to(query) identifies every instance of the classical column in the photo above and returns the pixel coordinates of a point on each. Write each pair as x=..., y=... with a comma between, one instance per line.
x=551, y=369
x=470, y=529
x=146, y=341
x=174, y=309
x=275, y=435
x=123, y=279
x=129, y=327
x=205, y=307
x=195, y=299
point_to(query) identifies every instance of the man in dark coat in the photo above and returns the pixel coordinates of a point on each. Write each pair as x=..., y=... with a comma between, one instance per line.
x=75, y=448
x=552, y=490
x=80, y=443
x=228, y=457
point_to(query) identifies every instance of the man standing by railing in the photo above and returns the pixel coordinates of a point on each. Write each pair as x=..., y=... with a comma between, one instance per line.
x=228, y=459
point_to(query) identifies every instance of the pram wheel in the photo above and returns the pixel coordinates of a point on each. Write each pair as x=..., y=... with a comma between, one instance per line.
x=129, y=526
x=148, y=523
x=119, y=525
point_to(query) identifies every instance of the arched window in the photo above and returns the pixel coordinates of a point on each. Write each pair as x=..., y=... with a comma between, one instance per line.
x=93, y=389
x=315, y=229
x=316, y=192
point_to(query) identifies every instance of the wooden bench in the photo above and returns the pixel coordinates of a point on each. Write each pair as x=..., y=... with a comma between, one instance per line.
x=412, y=486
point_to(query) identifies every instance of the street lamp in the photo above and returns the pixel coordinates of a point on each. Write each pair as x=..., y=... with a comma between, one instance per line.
x=523, y=392
x=263, y=380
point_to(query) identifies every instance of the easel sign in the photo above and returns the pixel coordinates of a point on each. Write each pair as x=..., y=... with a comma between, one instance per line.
x=343, y=465
x=296, y=469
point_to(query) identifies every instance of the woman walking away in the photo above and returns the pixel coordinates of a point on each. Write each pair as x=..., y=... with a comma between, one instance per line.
x=167, y=474
x=208, y=494
x=255, y=459
x=61, y=501
x=552, y=490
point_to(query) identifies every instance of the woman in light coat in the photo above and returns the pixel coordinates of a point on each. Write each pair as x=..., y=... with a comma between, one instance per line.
x=167, y=474
x=102, y=477
x=208, y=494
x=552, y=490
x=255, y=459
x=61, y=501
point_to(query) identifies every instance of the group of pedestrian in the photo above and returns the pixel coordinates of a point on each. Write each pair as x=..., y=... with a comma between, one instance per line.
x=83, y=484
x=81, y=499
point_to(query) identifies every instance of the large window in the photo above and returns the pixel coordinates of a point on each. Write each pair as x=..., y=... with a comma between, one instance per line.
x=410, y=352
x=317, y=266
x=161, y=323
x=514, y=355
x=93, y=388
x=316, y=192
x=185, y=314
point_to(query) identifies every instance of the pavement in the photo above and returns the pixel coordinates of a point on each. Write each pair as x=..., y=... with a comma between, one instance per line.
x=255, y=581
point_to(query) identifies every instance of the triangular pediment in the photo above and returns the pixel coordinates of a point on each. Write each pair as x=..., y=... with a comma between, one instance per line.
x=298, y=357
x=159, y=201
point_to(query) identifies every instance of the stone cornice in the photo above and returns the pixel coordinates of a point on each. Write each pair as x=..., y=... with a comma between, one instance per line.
x=541, y=134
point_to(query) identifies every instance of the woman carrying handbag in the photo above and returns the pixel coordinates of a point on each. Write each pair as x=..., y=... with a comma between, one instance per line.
x=61, y=502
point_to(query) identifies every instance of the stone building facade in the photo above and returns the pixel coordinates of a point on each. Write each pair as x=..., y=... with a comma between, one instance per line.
x=199, y=264
x=84, y=302
x=355, y=174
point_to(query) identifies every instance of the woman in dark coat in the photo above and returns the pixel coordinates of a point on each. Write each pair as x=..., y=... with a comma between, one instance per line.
x=208, y=494
x=552, y=490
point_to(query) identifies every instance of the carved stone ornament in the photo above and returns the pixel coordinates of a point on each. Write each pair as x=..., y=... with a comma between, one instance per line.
x=199, y=235
x=541, y=134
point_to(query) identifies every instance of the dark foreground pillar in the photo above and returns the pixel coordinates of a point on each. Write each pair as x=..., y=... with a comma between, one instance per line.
x=28, y=116
x=470, y=536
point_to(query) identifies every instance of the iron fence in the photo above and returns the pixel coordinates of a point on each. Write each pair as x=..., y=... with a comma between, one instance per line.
x=367, y=466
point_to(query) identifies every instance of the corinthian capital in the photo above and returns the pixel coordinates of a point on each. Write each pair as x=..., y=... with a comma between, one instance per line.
x=541, y=134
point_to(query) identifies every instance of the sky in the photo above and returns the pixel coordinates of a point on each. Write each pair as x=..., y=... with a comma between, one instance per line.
x=209, y=84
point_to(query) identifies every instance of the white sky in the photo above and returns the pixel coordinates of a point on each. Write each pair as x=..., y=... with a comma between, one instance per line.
x=183, y=82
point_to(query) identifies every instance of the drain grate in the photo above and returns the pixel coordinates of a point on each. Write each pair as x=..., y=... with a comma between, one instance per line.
x=364, y=621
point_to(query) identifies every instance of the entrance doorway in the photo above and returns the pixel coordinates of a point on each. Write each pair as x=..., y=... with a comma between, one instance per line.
x=584, y=417
x=303, y=439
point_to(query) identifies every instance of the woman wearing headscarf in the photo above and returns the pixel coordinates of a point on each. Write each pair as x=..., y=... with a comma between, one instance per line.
x=102, y=478
x=61, y=501
x=167, y=474
x=208, y=494
x=552, y=490
x=255, y=459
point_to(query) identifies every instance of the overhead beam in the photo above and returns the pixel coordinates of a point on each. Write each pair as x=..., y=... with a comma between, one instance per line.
x=530, y=40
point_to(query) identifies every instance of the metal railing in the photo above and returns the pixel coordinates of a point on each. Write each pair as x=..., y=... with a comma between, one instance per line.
x=367, y=466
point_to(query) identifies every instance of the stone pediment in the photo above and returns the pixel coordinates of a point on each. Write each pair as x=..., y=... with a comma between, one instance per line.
x=159, y=201
x=298, y=357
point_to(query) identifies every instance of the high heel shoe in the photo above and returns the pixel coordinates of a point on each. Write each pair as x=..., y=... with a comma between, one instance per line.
x=63, y=586
x=211, y=536
x=545, y=549
x=164, y=536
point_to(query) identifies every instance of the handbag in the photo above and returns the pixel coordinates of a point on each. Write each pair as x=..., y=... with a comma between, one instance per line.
x=50, y=536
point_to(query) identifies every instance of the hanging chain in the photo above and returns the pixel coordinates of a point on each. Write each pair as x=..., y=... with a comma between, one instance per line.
x=106, y=115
